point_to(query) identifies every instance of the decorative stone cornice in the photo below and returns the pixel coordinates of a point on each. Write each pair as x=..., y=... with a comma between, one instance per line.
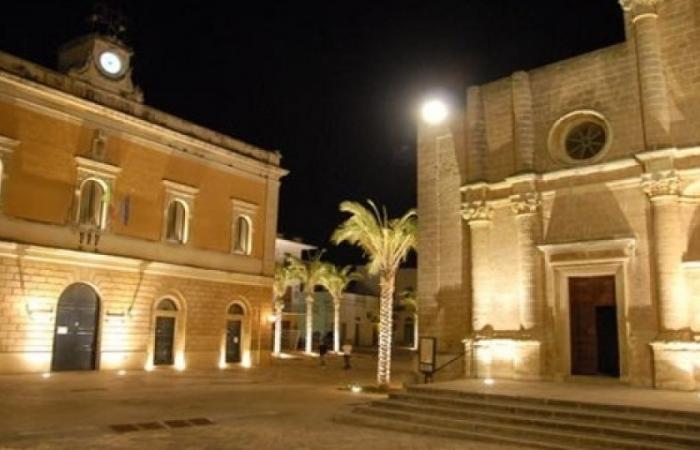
x=526, y=203
x=479, y=210
x=640, y=7
x=661, y=184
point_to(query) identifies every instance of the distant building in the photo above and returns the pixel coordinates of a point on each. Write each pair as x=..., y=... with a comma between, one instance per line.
x=359, y=311
x=129, y=238
x=559, y=212
x=294, y=312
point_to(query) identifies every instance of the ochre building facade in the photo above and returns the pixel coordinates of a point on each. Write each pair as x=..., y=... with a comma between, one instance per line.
x=129, y=238
x=560, y=213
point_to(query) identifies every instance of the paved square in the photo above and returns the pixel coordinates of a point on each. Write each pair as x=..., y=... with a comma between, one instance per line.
x=289, y=405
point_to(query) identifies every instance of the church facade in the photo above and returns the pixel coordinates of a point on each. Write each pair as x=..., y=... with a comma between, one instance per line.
x=129, y=238
x=560, y=213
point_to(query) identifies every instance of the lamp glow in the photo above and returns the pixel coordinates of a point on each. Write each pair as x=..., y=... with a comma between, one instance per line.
x=489, y=381
x=121, y=373
x=355, y=389
x=434, y=111
x=46, y=375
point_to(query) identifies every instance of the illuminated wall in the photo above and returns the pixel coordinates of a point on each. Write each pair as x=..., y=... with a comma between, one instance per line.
x=533, y=215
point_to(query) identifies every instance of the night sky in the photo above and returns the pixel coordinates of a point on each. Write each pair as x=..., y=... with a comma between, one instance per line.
x=332, y=85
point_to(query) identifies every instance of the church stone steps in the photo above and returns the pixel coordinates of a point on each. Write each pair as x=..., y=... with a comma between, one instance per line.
x=590, y=413
x=531, y=421
x=655, y=413
x=501, y=432
x=384, y=423
x=600, y=428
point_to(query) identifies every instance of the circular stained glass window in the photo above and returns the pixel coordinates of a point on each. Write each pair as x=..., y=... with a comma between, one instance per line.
x=586, y=140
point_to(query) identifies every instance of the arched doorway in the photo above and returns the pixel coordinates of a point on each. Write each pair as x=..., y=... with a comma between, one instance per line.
x=164, y=345
x=234, y=333
x=75, y=333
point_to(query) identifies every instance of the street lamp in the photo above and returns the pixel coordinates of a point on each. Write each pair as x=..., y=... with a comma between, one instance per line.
x=434, y=111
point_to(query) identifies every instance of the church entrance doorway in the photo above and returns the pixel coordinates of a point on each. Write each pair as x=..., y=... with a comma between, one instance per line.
x=593, y=324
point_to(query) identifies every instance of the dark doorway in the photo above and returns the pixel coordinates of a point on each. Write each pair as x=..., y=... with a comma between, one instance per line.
x=233, y=341
x=408, y=331
x=75, y=334
x=593, y=323
x=357, y=335
x=165, y=341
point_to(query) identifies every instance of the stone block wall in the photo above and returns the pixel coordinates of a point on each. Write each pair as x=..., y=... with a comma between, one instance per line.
x=30, y=289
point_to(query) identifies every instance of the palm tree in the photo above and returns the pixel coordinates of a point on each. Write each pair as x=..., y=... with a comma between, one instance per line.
x=336, y=280
x=309, y=273
x=284, y=278
x=386, y=243
x=407, y=299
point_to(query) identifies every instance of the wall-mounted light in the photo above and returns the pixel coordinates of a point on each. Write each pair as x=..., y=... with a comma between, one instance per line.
x=37, y=308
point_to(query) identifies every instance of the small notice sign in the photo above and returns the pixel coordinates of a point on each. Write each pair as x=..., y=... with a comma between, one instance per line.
x=426, y=354
x=62, y=330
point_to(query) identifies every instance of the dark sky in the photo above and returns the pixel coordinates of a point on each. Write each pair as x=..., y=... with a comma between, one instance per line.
x=333, y=85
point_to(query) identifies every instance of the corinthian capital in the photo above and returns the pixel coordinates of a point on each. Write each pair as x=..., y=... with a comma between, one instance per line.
x=479, y=210
x=661, y=184
x=637, y=7
x=527, y=203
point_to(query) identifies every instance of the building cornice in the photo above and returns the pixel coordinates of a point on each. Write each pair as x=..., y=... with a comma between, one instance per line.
x=643, y=162
x=91, y=260
x=265, y=165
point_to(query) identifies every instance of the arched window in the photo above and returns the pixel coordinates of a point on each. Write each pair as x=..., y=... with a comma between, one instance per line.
x=167, y=305
x=176, y=230
x=243, y=235
x=236, y=310
x=92, y=210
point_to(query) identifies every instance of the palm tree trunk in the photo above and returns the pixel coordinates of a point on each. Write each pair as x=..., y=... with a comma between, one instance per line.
x=336, y=325
x=309, y=323
x=278, y=328
x=386, y=303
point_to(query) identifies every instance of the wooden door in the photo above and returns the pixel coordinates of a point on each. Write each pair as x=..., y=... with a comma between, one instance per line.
x=75, y=333
x=165, y=341
x=593, y=325
x=233, y=341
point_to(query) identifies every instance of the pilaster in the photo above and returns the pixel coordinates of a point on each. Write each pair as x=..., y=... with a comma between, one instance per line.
x=643, y=16
x=478, y=214
x=663, y=189
x=526, y=207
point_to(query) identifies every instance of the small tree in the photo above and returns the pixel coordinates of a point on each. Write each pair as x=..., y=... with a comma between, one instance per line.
x=284, y=278
x=386, y=243
x=336, y=280
x=309, y=274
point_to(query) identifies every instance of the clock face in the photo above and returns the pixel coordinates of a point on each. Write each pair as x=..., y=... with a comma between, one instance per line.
x=110, y=64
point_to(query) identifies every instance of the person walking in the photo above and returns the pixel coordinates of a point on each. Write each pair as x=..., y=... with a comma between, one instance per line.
x=322, y=350
x=347, y=350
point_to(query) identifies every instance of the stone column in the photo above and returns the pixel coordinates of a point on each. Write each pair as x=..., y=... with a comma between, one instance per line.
x=528, y=224
x=478, y=215
x=277, y=348
x=663, y=191
x=643, y=16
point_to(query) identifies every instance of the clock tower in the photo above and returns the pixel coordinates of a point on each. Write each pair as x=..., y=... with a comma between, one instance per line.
x=101, y=61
